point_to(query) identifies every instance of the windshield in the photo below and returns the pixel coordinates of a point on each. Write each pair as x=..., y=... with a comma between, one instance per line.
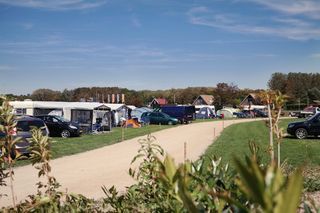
x=310, y=118
x=62, y=119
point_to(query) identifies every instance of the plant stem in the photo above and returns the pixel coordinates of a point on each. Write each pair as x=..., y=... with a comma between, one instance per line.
x=11, y=182
x=270, y=134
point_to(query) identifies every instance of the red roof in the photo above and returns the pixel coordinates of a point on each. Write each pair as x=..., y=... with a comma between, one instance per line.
x=162, y=101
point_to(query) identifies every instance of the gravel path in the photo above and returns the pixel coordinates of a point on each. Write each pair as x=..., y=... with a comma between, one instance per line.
x=86, y=172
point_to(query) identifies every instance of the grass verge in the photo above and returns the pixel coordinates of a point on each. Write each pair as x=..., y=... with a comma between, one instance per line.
x=233, y=142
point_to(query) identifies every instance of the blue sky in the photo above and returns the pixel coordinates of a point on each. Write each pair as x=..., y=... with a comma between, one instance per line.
x=149, y=44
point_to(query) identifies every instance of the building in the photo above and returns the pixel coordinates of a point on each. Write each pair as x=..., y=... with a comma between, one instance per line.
x=204, y=100
x=252, y=101
x=158, y=102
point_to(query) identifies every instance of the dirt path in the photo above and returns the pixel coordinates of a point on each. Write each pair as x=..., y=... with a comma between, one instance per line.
x=85, y=173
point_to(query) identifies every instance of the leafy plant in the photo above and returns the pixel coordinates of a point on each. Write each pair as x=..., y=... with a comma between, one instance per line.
x=8, y=153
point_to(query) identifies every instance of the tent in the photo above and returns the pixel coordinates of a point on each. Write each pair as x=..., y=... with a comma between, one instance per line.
x=132, y=123
x=205, y=113
x=227, y=112
x=137, y=112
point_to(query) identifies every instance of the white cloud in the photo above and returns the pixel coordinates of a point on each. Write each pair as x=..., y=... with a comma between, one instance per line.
x=55, y=4
x=309, y=8
x=292, y=28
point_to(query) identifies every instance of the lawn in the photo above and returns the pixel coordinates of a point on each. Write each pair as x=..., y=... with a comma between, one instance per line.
x=234, y=142
x=68, y=146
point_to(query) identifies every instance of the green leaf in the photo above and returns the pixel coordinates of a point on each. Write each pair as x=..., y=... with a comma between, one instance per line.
x=291, y=197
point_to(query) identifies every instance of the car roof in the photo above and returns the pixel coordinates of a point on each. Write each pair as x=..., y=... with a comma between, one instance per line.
x=28, y=118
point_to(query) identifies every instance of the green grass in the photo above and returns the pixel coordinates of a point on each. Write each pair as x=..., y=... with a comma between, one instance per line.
x=233, y=142
x=69, y=146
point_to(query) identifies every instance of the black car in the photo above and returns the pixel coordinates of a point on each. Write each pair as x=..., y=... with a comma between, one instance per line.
x=23, y=131
x=302, y=129
x=58, y=126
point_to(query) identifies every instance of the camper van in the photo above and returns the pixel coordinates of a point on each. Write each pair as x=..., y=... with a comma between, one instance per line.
x=185, y=114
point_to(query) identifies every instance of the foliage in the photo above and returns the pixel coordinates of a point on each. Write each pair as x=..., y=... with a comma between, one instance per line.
x=225, y=94
x=205, y=187
x=302, y=87
x=8, y=153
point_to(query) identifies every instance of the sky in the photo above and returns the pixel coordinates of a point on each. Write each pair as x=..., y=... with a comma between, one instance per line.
x=154, y=44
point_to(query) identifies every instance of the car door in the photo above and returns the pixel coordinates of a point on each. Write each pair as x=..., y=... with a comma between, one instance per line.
x=153, y=118
x=161, y=118
x=53, y=125
x=314, y=128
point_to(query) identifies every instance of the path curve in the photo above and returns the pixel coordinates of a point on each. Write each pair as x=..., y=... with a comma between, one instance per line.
x=86, y=172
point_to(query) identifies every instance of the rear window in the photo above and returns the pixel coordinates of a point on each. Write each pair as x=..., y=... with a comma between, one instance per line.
x=27, y=125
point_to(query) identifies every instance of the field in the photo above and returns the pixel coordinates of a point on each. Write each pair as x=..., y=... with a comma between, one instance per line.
x=233, y=142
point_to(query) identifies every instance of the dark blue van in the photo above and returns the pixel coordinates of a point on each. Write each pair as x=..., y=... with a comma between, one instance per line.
x=185, y=114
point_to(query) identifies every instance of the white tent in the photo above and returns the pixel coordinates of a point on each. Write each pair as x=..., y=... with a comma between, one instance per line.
x=227, y=112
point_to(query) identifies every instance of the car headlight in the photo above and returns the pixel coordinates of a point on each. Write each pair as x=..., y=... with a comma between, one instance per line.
x=290, y=125
x=73, y=127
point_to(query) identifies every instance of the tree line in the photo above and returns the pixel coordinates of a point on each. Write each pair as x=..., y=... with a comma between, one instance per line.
x=225, y=94
x=299, y=87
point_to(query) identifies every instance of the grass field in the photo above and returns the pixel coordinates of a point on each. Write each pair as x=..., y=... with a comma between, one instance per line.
x=69, y=146
x=234, y=142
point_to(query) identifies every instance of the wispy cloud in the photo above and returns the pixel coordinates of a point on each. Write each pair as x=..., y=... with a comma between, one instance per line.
x=6, y=68
x=315, y=55
x=309, y=8
x=27, y=26
x=286, y=27
x=55, y=4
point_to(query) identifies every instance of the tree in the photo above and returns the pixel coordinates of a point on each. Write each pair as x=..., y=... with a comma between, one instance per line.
x=278, y=82
x=46, y=95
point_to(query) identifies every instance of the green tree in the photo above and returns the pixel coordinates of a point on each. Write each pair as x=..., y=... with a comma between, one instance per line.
x=278, y=82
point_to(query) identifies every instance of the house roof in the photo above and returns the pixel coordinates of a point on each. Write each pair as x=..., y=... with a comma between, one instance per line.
x=161, y=101
x=253, y=95
x=208, y=99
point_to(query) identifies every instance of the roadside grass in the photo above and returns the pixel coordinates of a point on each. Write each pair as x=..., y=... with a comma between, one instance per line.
x=68, y=146
x=233, y=142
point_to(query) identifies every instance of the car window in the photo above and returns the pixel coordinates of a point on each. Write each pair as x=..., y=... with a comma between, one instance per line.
x=161, y=115
x=36, y=123
x=26, y=126
x=55, y=120
x=153, y=114
x=23, y=126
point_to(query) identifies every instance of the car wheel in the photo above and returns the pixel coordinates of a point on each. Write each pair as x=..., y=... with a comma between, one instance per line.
x=301, y=133
x=170, y=123
x=65, y=134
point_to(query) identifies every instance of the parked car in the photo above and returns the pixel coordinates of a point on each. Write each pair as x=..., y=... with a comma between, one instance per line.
x=185, y=114
x=58, y=126
x=158, y=118
x=260, y=113
x=309, y=111
x=303, y=129
x=23, y=130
